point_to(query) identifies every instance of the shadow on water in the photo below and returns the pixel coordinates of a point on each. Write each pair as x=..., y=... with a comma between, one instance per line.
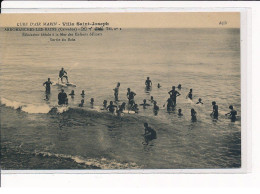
x=148, y=147
x=171, y=110
x=47, y=97
x=193, y=125
x=147, y=90
x=155, y=112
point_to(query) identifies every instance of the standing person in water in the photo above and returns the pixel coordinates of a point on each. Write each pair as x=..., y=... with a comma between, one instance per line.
x=48, y=84
x=193, y=115
x=128, y=92
x=72, y=93
x=92, y=101
x=120, y=109
x=155, y=108
x=152, y=100
x=149, y=134
x=105, y=104
x=131, y=103
x=62, y=98
x=116, y=91
x=63, y=74
x=83, y=94
x=135, y=108
x=170, y=104
x=111, y=107
x=159, y=85
x=130, y=95
x=173, y=95
x=81, y=103
x=189, y=94
x=214, y=113
x=232, y=114
x=148, y=83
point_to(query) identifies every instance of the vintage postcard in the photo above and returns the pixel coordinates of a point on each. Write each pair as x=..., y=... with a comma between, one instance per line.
x=152, y=90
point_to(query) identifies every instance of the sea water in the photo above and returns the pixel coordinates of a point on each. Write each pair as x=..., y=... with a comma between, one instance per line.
x=206, y=60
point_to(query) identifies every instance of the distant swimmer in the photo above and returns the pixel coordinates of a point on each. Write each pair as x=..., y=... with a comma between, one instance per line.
x=122, y=106
x=120, y=109
x=173, y=95
x=81, y=103
x=105, y=104
x=144, y=104
x=158, y=86
x=148, y=83
x=63, y=74
x=62, y=97
x=152, y=100
x=72, y=93
x=179, y=86
x=193, y=115
x=92, y=101
x=128, y=92
x=180, y=112
x=214, y=113
x=189, y=94
x=111, y=107
x=83, y=93
x=48, y=86
x=130, y=95
x=200, y=101
x=155, y=108
x=149, y=134
x=232, y=114
x=116, y=91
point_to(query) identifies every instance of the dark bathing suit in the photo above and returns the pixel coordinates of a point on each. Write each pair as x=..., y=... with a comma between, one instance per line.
x=111, y=108
x=48, y=86
x=233, y=114
x=174, y=96
x=62, y=73
x=131, y=96
x=148, y=83
x=215, y=111
x=190, y=95
x=169, y=103
x=152, y=134
x=62, y=98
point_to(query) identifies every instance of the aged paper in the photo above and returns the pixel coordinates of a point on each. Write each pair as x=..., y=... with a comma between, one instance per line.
x=120, y=91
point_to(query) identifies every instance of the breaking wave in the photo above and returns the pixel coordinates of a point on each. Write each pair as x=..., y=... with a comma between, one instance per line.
x=102, y=163
x=32, y=108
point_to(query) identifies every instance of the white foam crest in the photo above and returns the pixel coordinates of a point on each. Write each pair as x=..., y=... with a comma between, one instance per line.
x=9, y=103
x=29, y=108
x=102, y=163
x=62, y=109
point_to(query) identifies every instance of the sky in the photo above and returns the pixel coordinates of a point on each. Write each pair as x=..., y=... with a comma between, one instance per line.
x=134, y=20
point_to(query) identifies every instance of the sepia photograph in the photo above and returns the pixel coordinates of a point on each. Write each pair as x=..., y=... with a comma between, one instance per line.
x=109, y=91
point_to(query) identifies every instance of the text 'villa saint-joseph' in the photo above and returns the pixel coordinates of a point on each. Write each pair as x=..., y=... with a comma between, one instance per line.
x=24, y=24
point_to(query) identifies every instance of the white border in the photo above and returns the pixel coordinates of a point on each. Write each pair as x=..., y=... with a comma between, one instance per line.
x=245, y=73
